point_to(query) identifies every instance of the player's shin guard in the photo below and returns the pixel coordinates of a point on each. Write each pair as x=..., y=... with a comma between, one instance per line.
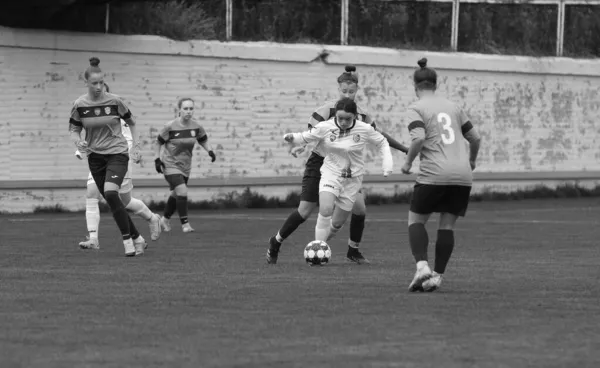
x=419, y=240
x=182, y=209
x=333, y=231
x=119, y=213
x=170, y=207
x=290, y=225
x=443, y=250
x=92, y=217
x=139, y=208
x=357, y=226
x=322, y=228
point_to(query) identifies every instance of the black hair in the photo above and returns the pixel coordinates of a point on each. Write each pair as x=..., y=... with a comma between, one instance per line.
x=349, y=75
x=93, y=68
x=424, y=77
x=106, y=88
x=346, y=105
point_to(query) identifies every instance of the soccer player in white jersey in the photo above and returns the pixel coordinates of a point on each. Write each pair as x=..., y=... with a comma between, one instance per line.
x=131, y=204
x=343, y=139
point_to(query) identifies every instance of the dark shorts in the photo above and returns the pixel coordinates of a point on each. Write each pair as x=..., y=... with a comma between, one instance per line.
x=108, y=168
x=311, y=178
x=175, y=180
x=427, y=199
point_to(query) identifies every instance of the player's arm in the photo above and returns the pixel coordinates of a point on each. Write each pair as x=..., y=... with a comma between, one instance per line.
x=472, y=135
x=383, y=146
x=163, y=137
x=312, y=135
x=391, y=141
x=127, y=117
x=203, y=141
x=75, y=128
x=416, y=128
x=318, y=116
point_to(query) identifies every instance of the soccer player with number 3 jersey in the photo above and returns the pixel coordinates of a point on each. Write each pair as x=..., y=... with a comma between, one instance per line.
x=437, y=129
x=174, y=148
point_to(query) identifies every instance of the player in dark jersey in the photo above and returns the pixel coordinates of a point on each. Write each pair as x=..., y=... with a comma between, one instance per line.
x=437, y=128
x=177, y=139
x=348, y=87
x=100, y=114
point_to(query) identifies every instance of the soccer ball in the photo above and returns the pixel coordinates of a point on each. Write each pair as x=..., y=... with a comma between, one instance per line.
x=317, y=252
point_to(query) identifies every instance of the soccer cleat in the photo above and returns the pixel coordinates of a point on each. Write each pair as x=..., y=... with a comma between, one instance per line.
x=155, y=227
x=187, y=228
x=165, y=224
x=129, y=248
x=139, y=245
x=89, y=243
x=433, y=283
x=423, y=274
x=273, y=252
x=354, y=255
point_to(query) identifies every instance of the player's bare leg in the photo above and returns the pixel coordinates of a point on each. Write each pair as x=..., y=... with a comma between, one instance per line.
x=139, y=208
x=444, y=246
x=357, y=226
x=338, y=219
x=92, y=217
x=295, y=219
x=326, y=211
x=181, y=193
x=133, y=242
x=419, y=240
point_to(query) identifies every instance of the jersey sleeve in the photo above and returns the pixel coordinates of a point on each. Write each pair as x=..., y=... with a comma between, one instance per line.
x=202, y=136
x=163, y=135
x=75, y=124
x=321, y=114
x=383, y=146
x=124, y=112
x=416, y=126
x=312, y=135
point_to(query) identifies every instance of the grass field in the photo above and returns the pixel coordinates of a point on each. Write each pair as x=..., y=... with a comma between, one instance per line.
x=522, y=290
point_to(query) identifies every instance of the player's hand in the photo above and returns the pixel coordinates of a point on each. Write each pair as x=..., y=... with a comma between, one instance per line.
x=212, y=155
x=406, y=168
x=79, y=155
x=289, y=137
x=473, y=165
x=135, y=154
x=82, y=146
x=159, y=165
x=295, y=151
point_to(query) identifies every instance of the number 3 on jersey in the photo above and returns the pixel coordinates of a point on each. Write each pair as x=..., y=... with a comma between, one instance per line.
x=448, y=133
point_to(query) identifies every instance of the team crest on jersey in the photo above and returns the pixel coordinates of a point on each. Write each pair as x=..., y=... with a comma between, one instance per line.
x=332, y=137
x=356, y=138
x=107, y=110
x=97, y=112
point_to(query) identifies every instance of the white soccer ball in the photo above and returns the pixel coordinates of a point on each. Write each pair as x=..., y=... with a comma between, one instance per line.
x=317, y=252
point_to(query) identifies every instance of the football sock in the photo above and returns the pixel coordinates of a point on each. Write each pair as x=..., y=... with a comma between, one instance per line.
x=333, y=231
x=322, y=228
x=92, y=216
x=182, y=209
x=132, y=229
x=139, y=208
x=443, y=250
x=290, y=225
x=357, y=226
x=170, y=207
x=418, y=238
x=119, y=213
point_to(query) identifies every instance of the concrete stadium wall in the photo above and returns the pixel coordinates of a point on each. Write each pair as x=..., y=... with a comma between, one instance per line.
x=537, y=115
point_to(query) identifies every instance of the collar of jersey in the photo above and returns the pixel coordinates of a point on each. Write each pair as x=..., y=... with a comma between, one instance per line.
x=344, y=130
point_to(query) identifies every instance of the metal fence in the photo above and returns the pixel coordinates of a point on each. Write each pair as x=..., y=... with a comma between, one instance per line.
x=345, y=4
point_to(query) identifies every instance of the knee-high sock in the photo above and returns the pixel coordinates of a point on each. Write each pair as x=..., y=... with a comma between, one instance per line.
x=92, y=216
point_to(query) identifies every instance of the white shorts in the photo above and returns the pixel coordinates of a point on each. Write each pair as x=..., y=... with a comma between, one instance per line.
x=126, y=185
x=345, y=189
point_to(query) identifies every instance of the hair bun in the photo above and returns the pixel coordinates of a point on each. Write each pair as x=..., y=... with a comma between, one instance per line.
x=350, y=68
x=422, y=63
x=94, y=61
